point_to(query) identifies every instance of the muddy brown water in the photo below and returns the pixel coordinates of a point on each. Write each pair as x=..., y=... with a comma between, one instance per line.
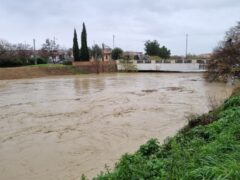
x=60, y=127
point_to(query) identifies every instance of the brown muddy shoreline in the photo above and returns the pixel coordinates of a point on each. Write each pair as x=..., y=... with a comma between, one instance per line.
x=35, y=72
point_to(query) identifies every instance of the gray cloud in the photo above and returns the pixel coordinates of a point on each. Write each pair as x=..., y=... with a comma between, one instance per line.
x=133, y=22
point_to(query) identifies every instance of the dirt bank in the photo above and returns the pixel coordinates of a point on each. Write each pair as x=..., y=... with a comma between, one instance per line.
x=35, y=72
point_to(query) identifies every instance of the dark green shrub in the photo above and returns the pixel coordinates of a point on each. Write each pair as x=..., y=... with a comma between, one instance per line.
x=40, y=60
x=67, y=63
x=10, y=62
x=150, y=148
x=201, y=120
x=232, y=102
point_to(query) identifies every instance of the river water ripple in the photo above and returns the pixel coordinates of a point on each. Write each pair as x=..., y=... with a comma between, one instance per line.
x=60, y=127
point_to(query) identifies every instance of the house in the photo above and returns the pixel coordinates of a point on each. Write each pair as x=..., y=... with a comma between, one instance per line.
x=133, y=55
x=107, y=54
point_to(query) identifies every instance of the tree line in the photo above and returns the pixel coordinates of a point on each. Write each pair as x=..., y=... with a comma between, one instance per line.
x=84, y=53
x=152, y=48
x=21, y=54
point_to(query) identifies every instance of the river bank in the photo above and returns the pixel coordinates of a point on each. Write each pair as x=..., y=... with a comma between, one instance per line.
x=206, y=148
x=28, y=72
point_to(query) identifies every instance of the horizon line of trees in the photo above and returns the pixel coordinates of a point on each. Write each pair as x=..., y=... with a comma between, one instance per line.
x=21, y=54
x=84, y=53
x=152, y=48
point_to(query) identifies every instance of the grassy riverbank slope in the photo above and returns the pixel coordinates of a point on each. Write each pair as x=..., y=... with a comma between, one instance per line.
x=207, y=148
x=37, y=71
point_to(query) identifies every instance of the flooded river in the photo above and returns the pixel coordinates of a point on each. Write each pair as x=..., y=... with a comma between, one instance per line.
x=60, y=127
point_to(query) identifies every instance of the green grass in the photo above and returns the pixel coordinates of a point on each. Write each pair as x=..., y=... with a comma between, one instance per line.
x=69, y=68
x=207, y=148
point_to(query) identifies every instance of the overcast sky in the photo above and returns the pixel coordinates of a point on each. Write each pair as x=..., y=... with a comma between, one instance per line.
x=131, y=21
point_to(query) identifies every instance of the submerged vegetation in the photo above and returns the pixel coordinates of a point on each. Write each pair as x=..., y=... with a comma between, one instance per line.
x=207, y=148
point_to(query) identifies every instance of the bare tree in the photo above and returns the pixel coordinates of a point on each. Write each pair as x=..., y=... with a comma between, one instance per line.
x=225, y=60
x=49, y=49
x=4, y=47
x=14, y=54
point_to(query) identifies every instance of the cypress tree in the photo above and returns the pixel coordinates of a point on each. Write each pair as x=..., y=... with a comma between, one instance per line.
x=75, y=47
x=84, y=53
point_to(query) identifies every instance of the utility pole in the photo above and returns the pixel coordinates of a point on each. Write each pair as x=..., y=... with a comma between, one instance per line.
x=113, y=41
x=102, y=63
x=54, y=53
x=34, y=52
x=186, y=45
x=102, y=51
x=54, y=42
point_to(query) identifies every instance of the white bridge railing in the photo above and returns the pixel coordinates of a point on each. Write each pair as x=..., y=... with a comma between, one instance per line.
x=174, y=67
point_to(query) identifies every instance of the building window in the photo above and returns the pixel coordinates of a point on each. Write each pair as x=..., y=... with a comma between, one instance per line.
x=106, y=57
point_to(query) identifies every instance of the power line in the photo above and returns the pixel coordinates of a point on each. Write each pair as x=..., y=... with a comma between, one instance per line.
x=34, y=53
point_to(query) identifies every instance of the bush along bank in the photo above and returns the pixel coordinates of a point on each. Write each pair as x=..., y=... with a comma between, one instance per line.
x=16, y=62
x=207, y=148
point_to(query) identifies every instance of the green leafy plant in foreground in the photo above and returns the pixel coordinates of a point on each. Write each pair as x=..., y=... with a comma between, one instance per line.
x=207, y=148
